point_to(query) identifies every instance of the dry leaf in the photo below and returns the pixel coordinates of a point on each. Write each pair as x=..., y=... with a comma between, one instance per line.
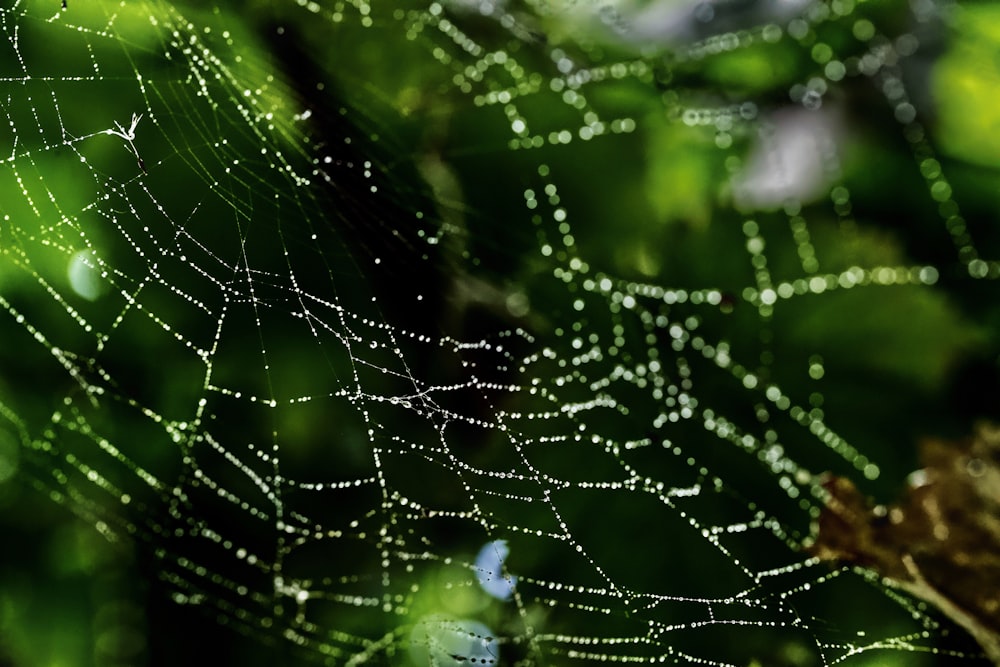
x=941, y=542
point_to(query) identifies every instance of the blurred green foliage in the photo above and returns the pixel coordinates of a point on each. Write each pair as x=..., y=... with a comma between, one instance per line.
x=883, y=364
x=965, y=84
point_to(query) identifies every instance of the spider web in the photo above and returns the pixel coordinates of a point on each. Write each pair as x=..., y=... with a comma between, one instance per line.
x=402, y=358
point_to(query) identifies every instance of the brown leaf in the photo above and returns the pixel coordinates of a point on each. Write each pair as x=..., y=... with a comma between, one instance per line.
x=941, y=542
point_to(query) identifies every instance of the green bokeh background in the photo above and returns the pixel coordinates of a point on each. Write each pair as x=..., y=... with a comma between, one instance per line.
x=86, y=581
